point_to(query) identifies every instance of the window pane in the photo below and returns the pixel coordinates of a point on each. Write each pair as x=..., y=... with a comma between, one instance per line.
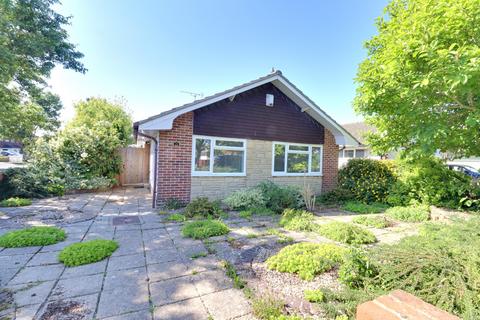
x=348, y=153
x=227, y=143
x=316, y=154
x=202, y=154
x=297, y=163
x=340, y=154
x=360, y=153
x=228, y=161
x=297, y=148
x=279, y=159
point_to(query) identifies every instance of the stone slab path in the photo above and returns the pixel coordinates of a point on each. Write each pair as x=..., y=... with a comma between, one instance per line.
x=150, y=276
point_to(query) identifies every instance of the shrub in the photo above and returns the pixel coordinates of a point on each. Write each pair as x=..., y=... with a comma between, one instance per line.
x=355, y=268
x=177, y=217
x=306, y=259
x=173, y=204
x=314, y=295
x=27, y=182
x=87, y=252
x=336, y=196
x=34, y=236
x=261, y=211
x=297, y=220
x=278, y=198
x=378, y=222
x=359, y=207
x=203, y=207
x=408, y=214
x=204, y=229
x=346, y=233
x=245, y=198
x=368, y=180
x=15, y=202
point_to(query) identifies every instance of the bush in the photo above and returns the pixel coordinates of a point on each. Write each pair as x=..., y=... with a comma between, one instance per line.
x=297, y=220
x=15, y=202
x=359, y=207
x=355, y=268
x=408, y=214
x=307, y=259
x=35, y=236
x=203, y=207
x=378, y=222
x=336, y=196
x=24, y=183
x=245, y=199
x=177, y=217
x=346, y=233
x=87, y=252
x=173, y=204
x=368, y=180
x=277, y=198
x=204, y=229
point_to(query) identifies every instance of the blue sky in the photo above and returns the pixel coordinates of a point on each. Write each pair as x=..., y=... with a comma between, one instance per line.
x=149, y=51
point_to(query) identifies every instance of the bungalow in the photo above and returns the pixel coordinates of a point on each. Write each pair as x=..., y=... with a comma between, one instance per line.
x=266, y=129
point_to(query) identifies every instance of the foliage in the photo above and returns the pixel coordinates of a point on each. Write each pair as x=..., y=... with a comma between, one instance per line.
x=231, y=272
x=306, y=259
x=15, y=202
x=282, y=238
x=314, y=295
x=429, y=181
x=173, y=204
x=198, y=255
x=24, y=183
x=378, y=222
x=34, y=236
x=260, y=211
x=355, y=268
x=177, y=217
x=33, y=41
x=342, y=304
x=203, y=207
x=418, y=84
x=359, y=207
x=408, y=214
x=204, y=229
x=278, y=198
x=368, y=180
x=309, y=197
x=297, y=220
x=336, y=196
x=346, y=233
x=87, y=252
x=267, y=308
x=245, y=198
x=245, y=214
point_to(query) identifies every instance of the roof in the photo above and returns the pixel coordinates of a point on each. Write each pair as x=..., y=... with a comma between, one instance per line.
x=10, y=144
x=359, y=130
x=164, y=120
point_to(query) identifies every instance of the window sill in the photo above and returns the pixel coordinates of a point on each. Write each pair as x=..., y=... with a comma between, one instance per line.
x=297, y=175
x=208, y=174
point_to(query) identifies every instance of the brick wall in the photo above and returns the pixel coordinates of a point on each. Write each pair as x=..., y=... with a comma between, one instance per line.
x=330, y=162
x=175, y=160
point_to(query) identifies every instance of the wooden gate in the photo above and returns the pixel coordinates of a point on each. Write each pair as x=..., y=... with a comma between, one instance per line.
x=135, y=165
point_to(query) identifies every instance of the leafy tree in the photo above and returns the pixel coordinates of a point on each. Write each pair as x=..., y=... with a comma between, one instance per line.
x=419, y=84
x=32, y=41
x=94, y=112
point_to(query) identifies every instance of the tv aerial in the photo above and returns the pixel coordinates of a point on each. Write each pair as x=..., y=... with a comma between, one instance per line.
x=193, y=94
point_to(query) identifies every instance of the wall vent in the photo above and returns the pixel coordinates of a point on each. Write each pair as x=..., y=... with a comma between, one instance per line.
x=269, y=100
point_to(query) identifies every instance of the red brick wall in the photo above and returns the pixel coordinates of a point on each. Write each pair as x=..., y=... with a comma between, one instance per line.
x=330, y=162
x=175, y=160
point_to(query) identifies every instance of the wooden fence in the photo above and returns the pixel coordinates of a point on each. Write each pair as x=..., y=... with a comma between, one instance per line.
x=135, y=165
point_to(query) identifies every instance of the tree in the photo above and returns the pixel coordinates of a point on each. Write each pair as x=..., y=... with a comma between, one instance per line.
x=32, y=41
x=419, y=85
x=95, y=112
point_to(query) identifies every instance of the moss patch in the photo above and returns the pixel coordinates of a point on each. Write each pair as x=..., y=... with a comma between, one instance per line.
x=87, y=252
x=35, y=236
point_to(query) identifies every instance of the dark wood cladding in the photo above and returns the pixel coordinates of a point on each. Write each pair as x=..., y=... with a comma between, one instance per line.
x=248, y=117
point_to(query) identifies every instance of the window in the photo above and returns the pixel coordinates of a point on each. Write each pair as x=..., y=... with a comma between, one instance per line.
x=349, y=153
x=296, y=159
x=218, y=156
x=360, y=153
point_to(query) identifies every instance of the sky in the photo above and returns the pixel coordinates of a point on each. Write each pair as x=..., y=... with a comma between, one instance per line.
x=147, y=52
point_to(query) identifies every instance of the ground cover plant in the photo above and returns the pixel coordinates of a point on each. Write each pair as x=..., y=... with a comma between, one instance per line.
x=204, y=229
x=307, y=259
x=15, y=202
x=176, y=217
x=363, y=208
x=202, y=207
x=297, y=220
x=34, y=236
x=245, y=198
x=87, y=252
x=346, y=233
x=378, y=222
x=408, y=214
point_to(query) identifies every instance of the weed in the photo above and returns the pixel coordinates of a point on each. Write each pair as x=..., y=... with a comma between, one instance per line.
x=346, y=233
x=409, y=214
x=359, y=207
x=199, y=255
x=173, y=204
x=252, y=235
x=231, y=272
x=177, y=217
x=267, y=308
x=204, y=229
x=378, y=222
x=15, y=202
x=245, y=214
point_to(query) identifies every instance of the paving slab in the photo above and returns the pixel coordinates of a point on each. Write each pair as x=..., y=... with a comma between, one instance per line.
x=27, y=312
x=126, y=262
x=34, y=293
x=218, y=307
x=71, y=308
x=203, y=263
x=137, y=315
x=38, y=273
x=18, y=260
x=172, y=290
x=166, y=270
x=22, y=251
x=211, y=281
x=160, y=256
x=79, y=286
x=128, y=246
x=123, y=300
x=191, y=309
x=44, y=258
x=85, y=270
x=7, y=274
x=125, y=278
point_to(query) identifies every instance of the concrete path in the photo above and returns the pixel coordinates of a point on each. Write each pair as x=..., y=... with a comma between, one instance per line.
x=150, y=276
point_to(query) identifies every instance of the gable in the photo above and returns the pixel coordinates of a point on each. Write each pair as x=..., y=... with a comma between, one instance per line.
x=247, y=116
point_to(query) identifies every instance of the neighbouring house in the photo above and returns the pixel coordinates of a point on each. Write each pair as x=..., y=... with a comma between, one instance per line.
x=266, y=129
x=10, y=146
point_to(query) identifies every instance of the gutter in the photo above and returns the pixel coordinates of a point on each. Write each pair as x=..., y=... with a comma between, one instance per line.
x=155, y=157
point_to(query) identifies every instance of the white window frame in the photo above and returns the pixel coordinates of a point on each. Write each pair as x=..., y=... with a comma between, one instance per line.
x=354, y=153
x=287, y=145
x=213, y=146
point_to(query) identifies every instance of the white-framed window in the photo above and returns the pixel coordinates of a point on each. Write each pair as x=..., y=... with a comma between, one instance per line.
x=352, y=153
x=294, y=159
x=216, y=156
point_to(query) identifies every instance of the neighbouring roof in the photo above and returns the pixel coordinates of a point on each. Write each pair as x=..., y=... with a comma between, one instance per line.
x=164, y=120
x=359, y=130
x=10, y=144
